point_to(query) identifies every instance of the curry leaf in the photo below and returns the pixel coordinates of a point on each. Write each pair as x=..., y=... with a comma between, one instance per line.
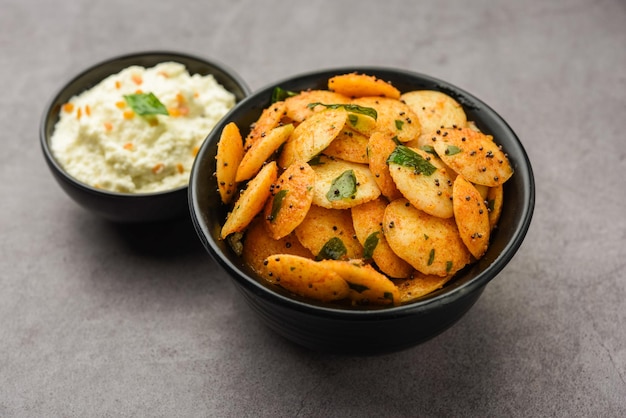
x=334, y=249
x=277, y=204
x=367, y=111
x=145, y=104
x=406, y=157
x=342, y=187
x=279, y=94
x=370, y=244
x=452, y=149
x=359, y=288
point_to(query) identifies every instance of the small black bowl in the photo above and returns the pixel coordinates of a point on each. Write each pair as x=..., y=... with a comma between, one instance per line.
x=366, y=331
x=127, y=207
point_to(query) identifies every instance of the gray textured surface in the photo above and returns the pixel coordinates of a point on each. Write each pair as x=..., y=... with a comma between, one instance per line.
x=97, y=320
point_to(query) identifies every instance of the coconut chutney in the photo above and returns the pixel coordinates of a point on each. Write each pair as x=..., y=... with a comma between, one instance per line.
x=102, y=138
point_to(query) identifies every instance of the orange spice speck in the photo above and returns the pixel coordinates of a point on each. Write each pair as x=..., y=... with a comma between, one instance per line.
x=196, y=94
x=195, y=150
x=137, y=79
x=79, y=113
x=118, y=84
x=158, y=168
x=129, y=146
x=68, y=107
x=180, y=168
x=108, y=126
x=138, y=91
x=180, y=98
x=163, y=74
x=87, y=110
x=129, y=114
x=184, y=110
x=121, y=104
x=173, y=111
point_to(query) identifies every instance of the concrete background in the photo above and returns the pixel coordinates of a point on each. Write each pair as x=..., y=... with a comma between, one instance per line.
x=97, y=319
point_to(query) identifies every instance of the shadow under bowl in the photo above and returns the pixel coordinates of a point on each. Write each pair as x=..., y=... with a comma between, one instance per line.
x=127, y=207
x=365, y=331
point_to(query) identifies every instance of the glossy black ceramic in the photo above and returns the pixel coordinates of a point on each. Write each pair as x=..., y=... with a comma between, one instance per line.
x=125, y=207
x=366, y=331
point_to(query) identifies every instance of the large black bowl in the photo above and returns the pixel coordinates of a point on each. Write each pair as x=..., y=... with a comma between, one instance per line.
x=126, y=207
x=366, y=331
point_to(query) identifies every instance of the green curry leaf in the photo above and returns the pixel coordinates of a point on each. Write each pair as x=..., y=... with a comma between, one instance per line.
x=342, y=187
x=279, y=94
x=406, y=157
x=367, y=111
x=359, y=288
x=334, y=249
x=431, y=256
x=452, y=149
x=370, y=244
x=145, y=104
x=277, y=204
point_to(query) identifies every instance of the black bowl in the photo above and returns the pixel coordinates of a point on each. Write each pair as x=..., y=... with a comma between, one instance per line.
x=366, y=331
x=126, y=207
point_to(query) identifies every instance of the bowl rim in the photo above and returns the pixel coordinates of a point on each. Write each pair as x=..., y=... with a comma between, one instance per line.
x=386, y=313
x=48, y=108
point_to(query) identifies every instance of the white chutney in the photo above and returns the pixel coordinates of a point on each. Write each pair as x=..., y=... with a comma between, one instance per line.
x=101, y=141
